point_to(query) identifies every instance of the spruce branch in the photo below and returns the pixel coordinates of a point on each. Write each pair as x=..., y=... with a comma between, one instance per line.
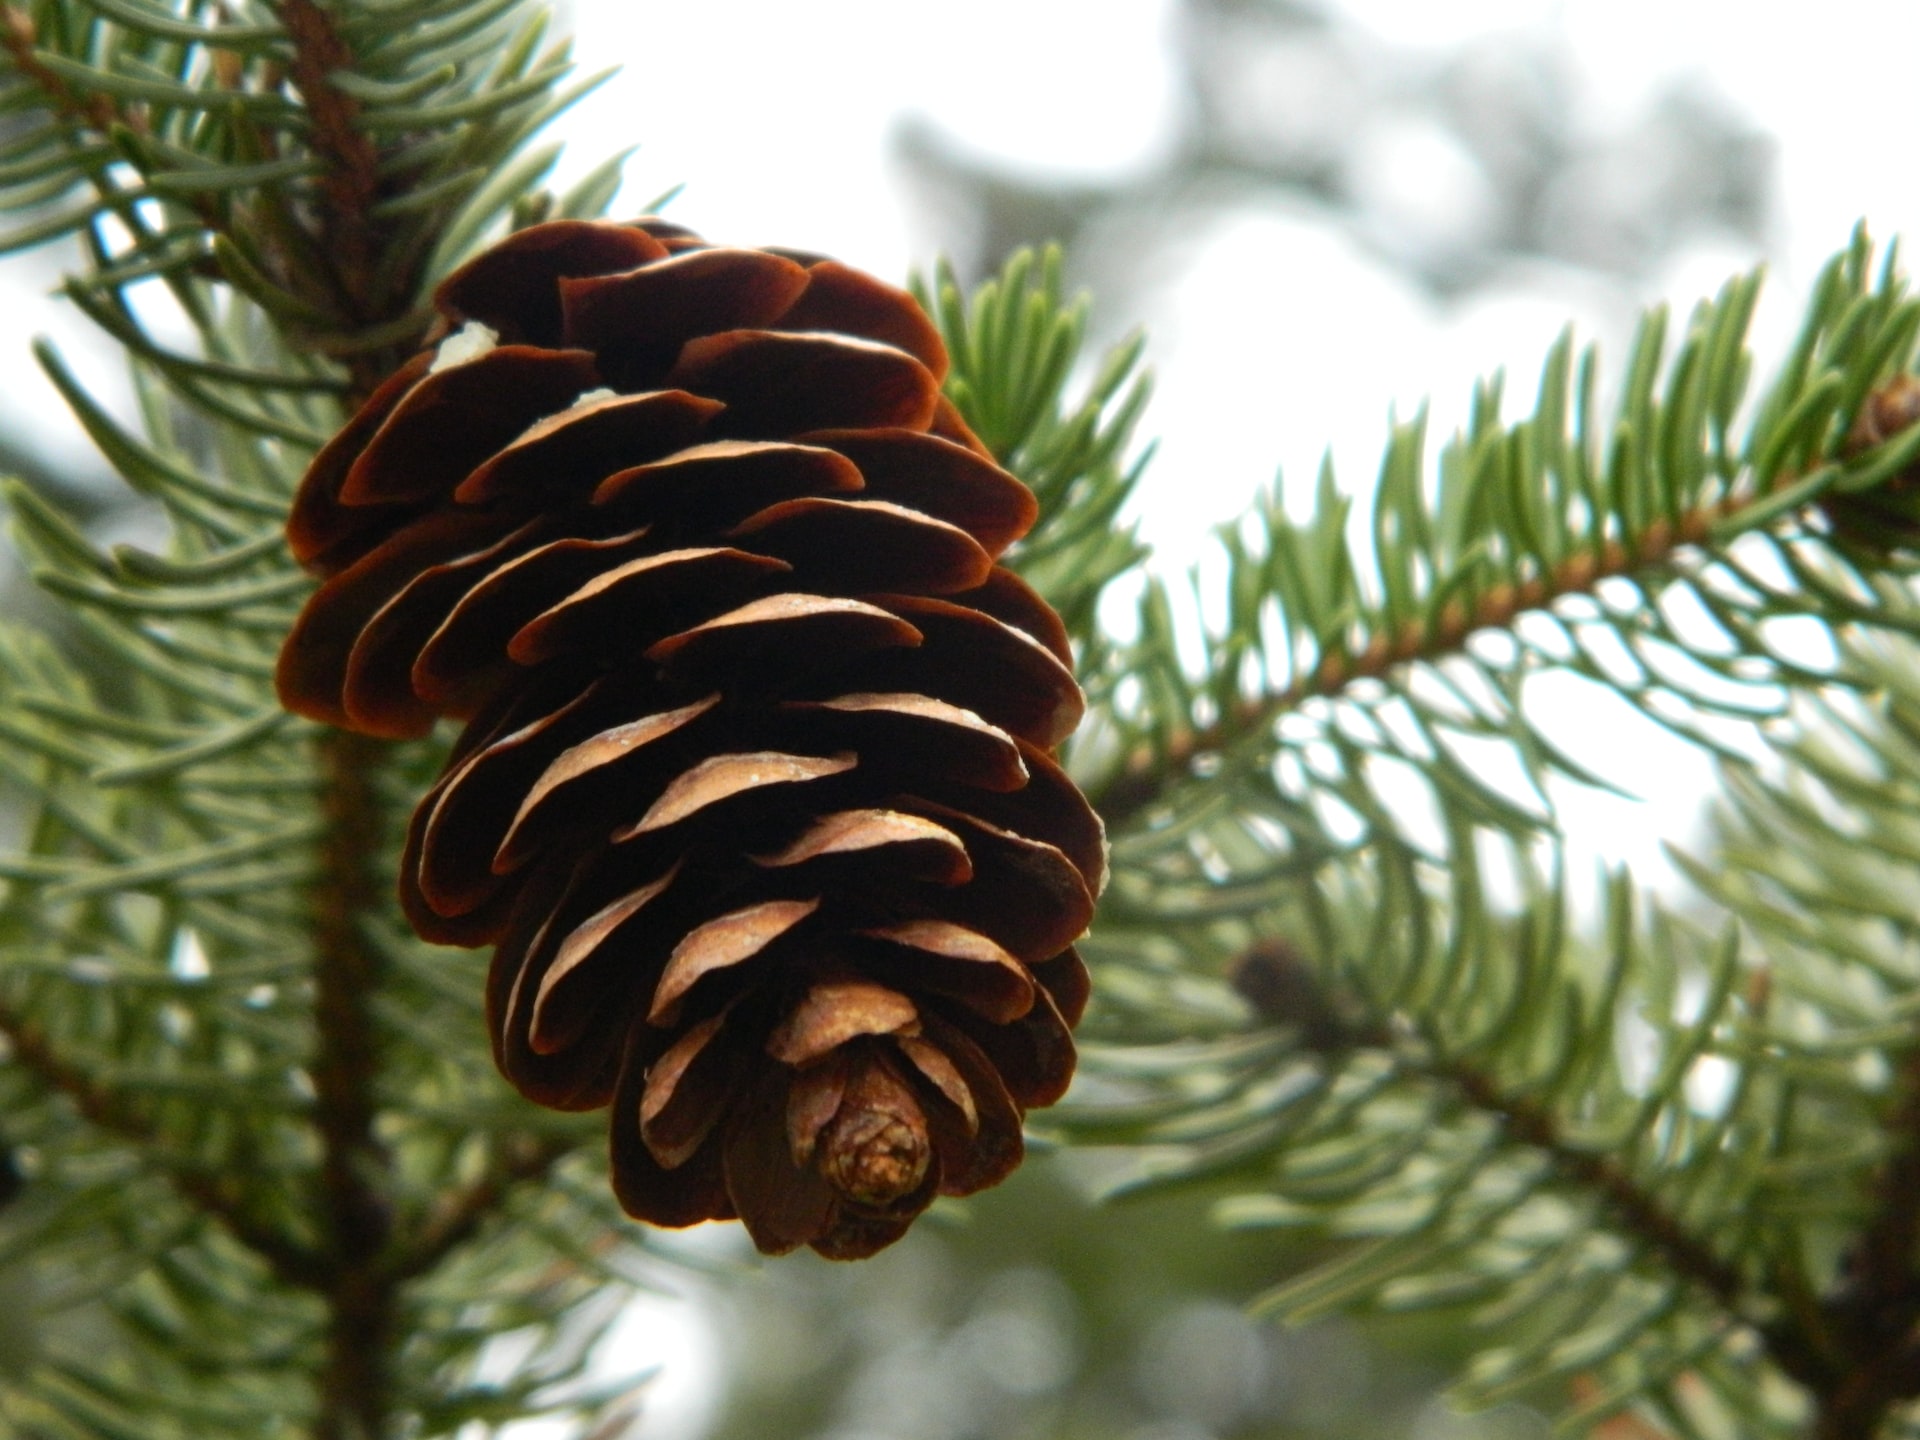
x=1528, y=516
x=1638, y=1210
x=1651, y=556
x=216, y=1196
x=1828, y=898
x=297, y=186
x=519, y=1160
x=1457, y=1090
x=98, y=111
x=1014, y=345
x=1283, y=990
x=356, y=1385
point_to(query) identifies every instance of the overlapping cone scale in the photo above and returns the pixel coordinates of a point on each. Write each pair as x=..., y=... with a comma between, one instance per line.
x=756, y=797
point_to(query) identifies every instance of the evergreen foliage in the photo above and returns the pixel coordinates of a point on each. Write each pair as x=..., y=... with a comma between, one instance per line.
x=1596, y=1139
x=1661, y=1155
x=275, y=1186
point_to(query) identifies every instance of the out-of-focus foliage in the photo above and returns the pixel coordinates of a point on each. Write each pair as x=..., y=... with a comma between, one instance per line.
x=1041, y=1313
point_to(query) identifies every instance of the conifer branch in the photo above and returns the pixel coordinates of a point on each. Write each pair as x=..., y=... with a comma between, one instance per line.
x=1013, y=344
x=98, y=110
x=347, y=243
x=268, y=157
x=99, y=1105
x=363, y=1295
x=1640, y=1212
x=518, y=1160
x=1149, y=772
x=1282, y=988
x=364, y=1292
x=1525, y=517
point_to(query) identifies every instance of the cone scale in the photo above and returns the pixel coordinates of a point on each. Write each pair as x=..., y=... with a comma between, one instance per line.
x=756, y=798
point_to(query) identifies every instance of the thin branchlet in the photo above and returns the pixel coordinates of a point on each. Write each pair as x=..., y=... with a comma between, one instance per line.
x=97, y=111
x=1638, y=1210
x=1149, y=773
x=350, y=181
x=356, y=1385
x=97, y=114
x=222, y=1198
x=517, y=1160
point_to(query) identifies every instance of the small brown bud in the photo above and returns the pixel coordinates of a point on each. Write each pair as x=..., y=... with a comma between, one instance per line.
x=1276, y=980
x=1886, y=411
x=875, y=1150
x=18, y=26
x=1885, y=517
x=875, y=1159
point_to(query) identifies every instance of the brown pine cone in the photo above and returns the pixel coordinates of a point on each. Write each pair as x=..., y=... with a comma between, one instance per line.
x=756, y=796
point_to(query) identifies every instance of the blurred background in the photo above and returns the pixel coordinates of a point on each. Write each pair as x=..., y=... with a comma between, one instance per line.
x=1323, y=214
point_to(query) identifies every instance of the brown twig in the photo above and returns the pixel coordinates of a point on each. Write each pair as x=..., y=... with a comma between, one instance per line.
x=1874, y=1312
x=1806, y=1357
x=350, y=181
x=1637, y=1209
x=355, y=1169
x=460, y=1215
x=363, y=1295
x=19, y=38
x=1284, y=989
x=98, y=112
x=334, y=264
x=363, y=1292
x=109, y=1110
x=371, y=1263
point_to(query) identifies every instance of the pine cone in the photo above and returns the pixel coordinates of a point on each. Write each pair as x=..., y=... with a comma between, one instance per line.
x=755, y=797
